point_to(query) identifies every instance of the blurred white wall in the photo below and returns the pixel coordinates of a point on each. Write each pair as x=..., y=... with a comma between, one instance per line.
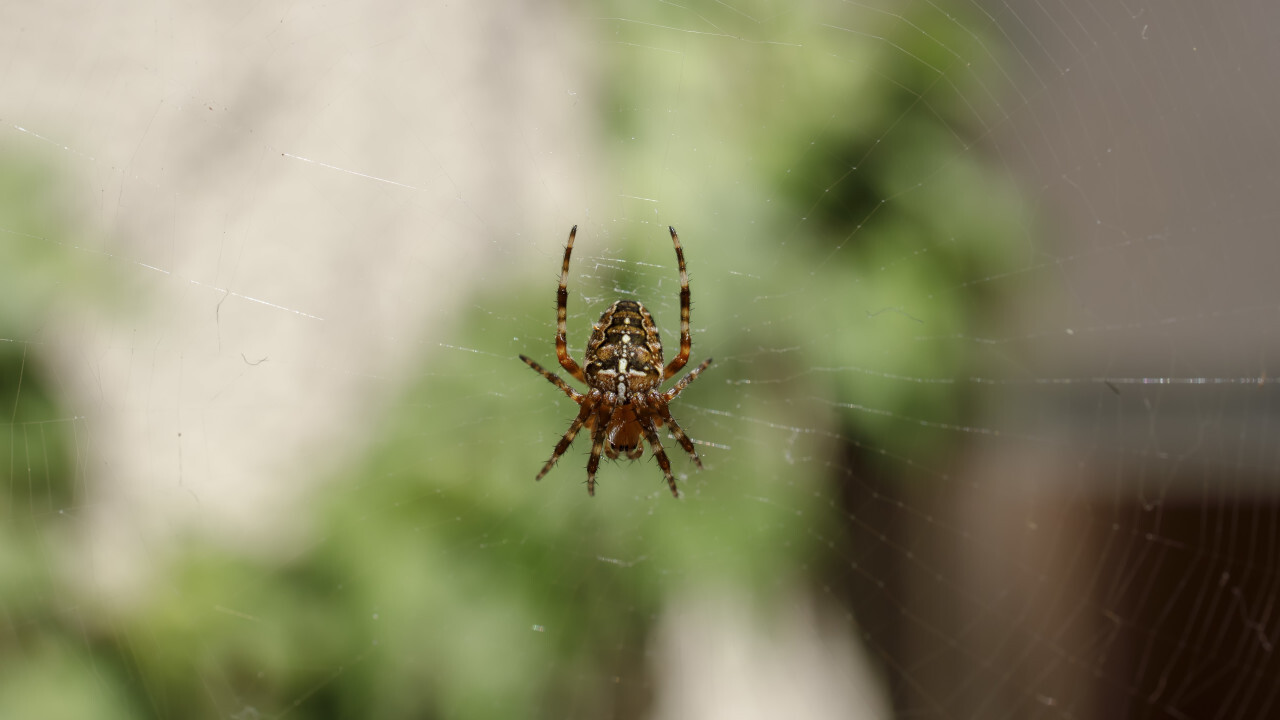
x=294, y=200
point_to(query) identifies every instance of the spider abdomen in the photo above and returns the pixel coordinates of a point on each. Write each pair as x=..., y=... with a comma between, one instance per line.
x=624, y=353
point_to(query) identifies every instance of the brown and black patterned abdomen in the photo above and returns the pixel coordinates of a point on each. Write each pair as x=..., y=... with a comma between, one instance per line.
x=624, y=354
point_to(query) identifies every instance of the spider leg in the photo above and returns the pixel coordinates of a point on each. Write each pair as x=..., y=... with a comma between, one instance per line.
x=569, y=435
x=555, y=380
x=599, y=432
x=681, y=438
x=593, y=463
x=686, y=342
x=675, y=390
x=663, y=462
x=562, y=304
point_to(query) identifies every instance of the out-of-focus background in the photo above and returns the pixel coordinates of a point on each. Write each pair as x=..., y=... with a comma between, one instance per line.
x=989, y=431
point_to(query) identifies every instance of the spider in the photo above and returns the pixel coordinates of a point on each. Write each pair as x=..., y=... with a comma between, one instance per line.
x=623, y=370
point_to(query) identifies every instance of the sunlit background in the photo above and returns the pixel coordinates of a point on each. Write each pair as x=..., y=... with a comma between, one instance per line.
x=988, y=431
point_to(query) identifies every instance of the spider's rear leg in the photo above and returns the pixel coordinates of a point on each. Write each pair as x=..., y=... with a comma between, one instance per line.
x=593, y=463
x=567, y=440
x=663, y=462
x=681, y=438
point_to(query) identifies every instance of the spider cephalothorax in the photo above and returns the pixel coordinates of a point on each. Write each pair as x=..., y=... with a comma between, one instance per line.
x=624, y=368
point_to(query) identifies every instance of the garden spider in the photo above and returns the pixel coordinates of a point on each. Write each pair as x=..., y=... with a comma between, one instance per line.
x=623, y=369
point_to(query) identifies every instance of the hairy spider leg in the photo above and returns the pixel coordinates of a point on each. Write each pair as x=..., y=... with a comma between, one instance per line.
x=562, y=311
x=681, y=438
x=663, y=462
x=555, y=380
x=675, y=390
x=567, y=440
x=599, y=433
x=686, y=341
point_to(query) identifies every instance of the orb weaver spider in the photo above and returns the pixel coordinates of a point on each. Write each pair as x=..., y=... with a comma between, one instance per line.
x=623, y=371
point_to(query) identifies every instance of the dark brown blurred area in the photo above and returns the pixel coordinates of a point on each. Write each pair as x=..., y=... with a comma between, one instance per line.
x=1110, y=548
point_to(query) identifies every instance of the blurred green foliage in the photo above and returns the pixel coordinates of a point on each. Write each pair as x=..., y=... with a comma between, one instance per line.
x=44, y=669
x=443, y=582
x=837, y=146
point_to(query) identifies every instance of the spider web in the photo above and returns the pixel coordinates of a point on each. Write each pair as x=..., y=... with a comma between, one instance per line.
x=989, y=430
